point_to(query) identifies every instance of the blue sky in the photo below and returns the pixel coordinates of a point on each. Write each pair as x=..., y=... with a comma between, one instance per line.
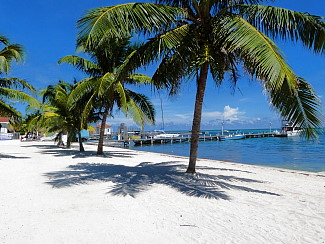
x=47, y=30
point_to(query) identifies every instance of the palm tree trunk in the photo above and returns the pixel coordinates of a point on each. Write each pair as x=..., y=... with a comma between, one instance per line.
x=102, y=131
x=201, y=84
x=68, y=140
x=60, y=143
x=81, y=146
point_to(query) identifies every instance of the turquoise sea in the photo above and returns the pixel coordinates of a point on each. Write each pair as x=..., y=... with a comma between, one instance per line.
x=282, y=152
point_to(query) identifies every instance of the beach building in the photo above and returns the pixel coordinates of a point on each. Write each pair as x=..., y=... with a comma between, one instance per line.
x=4, y=124
x=107, y=131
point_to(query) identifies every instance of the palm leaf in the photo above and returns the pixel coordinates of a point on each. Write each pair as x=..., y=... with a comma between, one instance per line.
x=124, y=19
x=141, y=108
x=300, y=107
x=16, y=83
x=19, y=96
x=287, y=24
x=261, y=57
x=7, y=110
x=81, y=64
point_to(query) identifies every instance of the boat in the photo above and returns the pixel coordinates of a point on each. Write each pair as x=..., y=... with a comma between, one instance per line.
x=289, y=129
x=232, y=137
x=160, y=134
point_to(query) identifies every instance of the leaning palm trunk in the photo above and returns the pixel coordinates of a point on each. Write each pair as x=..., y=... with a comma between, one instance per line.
x=81, y=146
x=201, y=84
x=102, y=131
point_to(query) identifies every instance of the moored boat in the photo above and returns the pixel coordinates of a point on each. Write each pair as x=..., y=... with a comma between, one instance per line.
x=162, y=135
x=289, y=129
x=232, y=137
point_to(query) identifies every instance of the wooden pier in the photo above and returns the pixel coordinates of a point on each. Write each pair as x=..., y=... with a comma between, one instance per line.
x=178, y=139
x=183, y=138
x=187, y=138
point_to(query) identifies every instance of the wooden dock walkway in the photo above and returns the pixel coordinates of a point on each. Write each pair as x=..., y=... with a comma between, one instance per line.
x=180, y=139
x=185, y=138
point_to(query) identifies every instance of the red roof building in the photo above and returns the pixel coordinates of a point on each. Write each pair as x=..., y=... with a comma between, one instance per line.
x=107, y=131
x=4, y=120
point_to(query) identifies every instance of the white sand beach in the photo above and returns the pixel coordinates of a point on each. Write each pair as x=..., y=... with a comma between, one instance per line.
x=54, y=195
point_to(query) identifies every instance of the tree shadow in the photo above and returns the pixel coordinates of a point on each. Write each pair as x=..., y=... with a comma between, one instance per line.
x=133, y=180
x=57, y=151
x=11, y=156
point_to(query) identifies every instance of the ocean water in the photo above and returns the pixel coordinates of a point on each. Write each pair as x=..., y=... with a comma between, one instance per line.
x=282, y=152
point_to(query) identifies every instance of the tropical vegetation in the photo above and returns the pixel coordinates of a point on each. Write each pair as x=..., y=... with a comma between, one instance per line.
x=104, y=88
x=11, y=89
x=194, y=38
x=57, y=116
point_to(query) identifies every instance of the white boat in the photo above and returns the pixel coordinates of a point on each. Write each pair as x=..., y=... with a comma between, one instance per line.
x=162, y=135
x=232, y=137
x=290, y=130
x=235, y=136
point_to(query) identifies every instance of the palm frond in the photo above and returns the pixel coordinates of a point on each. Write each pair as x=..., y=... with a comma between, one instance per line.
x=301, y=107
x=107, y=83
x=81, y=64
x=8, y=54
x=82, y=89
x=142, y=109
x=287, y=24
x=122, y=96
x=261, y=57
x=19, y=96
x=125, y=19
x=7, y=110
x=15, y=83
x=139, y=79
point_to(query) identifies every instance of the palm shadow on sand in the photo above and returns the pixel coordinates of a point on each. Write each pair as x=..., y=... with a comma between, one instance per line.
x=133, y=180
x=57, y=151
x=11, y=156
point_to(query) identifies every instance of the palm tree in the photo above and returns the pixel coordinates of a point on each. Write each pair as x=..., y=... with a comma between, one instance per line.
x=58, y=116
x=8, y=86
x=193, y=38
x=102, y=87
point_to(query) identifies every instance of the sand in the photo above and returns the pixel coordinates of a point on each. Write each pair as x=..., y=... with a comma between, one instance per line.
x=54, y=195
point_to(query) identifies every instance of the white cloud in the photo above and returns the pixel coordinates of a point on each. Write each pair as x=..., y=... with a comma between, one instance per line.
x=229, y=114
x=215, y=114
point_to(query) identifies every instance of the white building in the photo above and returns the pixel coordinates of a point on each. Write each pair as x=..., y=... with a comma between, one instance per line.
x=107, y=131
x=4, y=124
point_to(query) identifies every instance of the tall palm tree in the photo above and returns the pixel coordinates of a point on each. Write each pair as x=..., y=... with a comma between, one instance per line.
x=102, y=87
x=195, y=37
x=11, y=88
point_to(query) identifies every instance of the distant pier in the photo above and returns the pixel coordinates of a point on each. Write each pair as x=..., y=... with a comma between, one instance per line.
x=187, y=138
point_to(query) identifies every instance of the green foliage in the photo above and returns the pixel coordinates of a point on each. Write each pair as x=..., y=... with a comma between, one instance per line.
x=11, y=89
x=106, y=86
x=56, y=113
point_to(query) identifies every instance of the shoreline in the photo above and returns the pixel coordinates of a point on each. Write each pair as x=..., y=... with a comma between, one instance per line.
x=54, y=195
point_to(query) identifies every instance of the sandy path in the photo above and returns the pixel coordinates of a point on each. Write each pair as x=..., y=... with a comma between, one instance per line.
x=54, y=195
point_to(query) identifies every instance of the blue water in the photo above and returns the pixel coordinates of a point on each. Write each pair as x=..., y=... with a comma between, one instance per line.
x=282, y=152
